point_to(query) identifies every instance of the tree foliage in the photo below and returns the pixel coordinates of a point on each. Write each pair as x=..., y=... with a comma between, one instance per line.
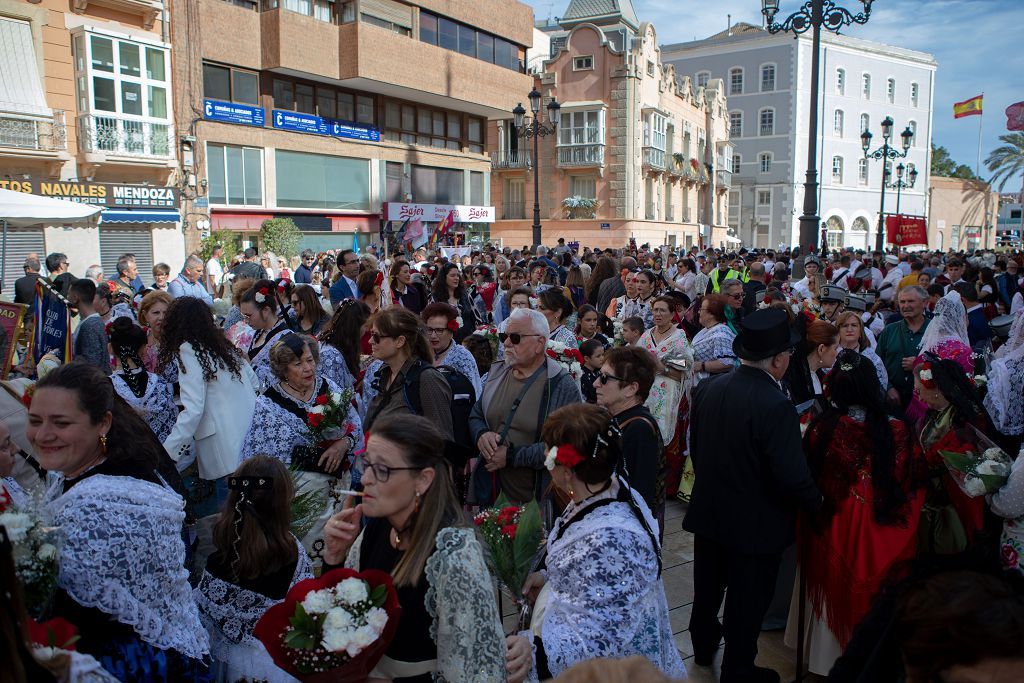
x=281, y=236
x=1006, y=161
x=943, y=165
x=229, y=240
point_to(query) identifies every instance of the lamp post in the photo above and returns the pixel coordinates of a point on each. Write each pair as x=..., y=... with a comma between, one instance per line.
x=536, y=129
x=902, y=184
x=813, y=16
x=886, y=153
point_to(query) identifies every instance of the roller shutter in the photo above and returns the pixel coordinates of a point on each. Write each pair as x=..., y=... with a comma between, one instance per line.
x=20, y=243
x=115, y=240
x=388, y=10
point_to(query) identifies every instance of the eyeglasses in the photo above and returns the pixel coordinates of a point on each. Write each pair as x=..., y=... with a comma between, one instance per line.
x=603, y=378
x=515, y=337
x=375, y=337
x=436, y=331
x=380, y=472
x=736, y=295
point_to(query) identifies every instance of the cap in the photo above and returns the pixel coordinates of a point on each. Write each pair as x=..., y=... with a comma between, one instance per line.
x=856, y=302
x=833, y=293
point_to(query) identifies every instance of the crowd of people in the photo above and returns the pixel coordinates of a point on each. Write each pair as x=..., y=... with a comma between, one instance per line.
x=797, y=404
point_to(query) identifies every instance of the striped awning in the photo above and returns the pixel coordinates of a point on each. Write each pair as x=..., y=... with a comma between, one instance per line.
x=130, y=216
x=21, y=89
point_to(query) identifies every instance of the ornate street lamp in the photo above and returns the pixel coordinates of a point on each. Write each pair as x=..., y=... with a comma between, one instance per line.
x=813, y=16
x=536, y=129
x=886, y=153
x=901, y=184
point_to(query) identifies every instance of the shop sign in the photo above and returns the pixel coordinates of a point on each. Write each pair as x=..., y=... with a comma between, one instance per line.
x=231, y=112
x=435, y=213
x=109, y=195
x=307, y=123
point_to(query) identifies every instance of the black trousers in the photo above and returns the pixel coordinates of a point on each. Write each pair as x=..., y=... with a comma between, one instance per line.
x=750, y=579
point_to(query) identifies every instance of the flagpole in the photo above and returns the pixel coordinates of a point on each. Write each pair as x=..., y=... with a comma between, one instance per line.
x=981, y=120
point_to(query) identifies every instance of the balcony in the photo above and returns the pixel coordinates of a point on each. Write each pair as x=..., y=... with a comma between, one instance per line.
x=510, y=159
x=49, y=135
x=576, y=156
x=723, y=179
x=654, y=159
x=109, y=139
x=511, y=211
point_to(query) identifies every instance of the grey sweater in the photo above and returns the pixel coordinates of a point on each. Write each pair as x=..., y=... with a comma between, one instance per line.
x=91, y=343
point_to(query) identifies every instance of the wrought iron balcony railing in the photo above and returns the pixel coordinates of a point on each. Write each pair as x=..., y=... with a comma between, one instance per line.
x=125, y=137
x=44, y=135
x=581, y=155
x=510, y=159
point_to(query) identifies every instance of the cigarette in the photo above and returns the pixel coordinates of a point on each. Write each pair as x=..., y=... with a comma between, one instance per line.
x=346, y=492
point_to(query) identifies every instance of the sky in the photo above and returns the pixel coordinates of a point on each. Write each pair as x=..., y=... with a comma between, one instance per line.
x=975, y=42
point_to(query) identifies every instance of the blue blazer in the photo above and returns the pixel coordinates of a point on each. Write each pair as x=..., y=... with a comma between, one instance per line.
x=977, y=327
x=340, y=291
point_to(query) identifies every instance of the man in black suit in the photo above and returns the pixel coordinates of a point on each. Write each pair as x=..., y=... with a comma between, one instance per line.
x=750, y=477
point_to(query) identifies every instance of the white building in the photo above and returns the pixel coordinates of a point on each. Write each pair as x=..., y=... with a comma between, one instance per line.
x=767, y=81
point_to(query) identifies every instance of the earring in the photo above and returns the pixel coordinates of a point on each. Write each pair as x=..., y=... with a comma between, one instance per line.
x=103, y=443
x=416, y=507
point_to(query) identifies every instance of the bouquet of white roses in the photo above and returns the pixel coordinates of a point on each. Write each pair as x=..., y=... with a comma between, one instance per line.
x=34, y=546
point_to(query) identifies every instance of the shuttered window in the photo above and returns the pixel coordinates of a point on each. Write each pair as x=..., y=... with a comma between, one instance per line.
x=115, y=241
x=20, y=243
x=388, y=10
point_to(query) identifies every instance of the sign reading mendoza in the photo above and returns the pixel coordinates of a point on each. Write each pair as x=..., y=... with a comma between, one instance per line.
x=52, y=324
x=230, y=112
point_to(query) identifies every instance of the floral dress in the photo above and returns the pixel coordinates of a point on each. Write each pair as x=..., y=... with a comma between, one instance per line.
x=156, y=404
x=710, y=344
x=259, y=356
x=669, y=400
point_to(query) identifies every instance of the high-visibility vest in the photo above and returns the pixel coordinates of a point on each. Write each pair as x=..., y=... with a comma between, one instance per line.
x=714, y=278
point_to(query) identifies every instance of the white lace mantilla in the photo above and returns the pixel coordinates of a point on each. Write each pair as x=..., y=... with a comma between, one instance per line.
x=156, y=406
x=606, y=599
x=123, y=554
x=229, y=613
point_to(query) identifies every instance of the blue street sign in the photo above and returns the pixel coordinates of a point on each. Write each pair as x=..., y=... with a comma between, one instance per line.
x=229, y=112
x=302, y=123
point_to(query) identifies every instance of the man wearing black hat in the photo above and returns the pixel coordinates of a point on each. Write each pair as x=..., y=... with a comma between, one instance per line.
x=812, y=266
x=746, y=493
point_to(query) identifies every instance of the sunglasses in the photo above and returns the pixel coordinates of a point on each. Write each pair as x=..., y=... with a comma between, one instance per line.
x=514, y=336
x=375, y=337
x=603, y=378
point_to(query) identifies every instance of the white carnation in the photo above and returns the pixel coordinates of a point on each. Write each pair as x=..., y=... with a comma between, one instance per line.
x=317, y=410
x=994, y=453
x=336, y=397
x=974, y=487
x=318, y=602
x=377, y=619
x=336, y=639
x=552, y=458
x=46, y=552
x=338, y=619
x=17, y=524
x=991, y=467
x=351, y=591
x=360, y=640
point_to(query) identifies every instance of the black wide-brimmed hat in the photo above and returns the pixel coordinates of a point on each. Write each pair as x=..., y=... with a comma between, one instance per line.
x=764, y=333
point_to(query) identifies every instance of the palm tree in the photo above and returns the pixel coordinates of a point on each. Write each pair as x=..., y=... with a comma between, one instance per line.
x=1007, y=161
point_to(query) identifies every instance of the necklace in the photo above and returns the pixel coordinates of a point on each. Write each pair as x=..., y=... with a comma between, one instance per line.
x=299, y=394
x=398, y=534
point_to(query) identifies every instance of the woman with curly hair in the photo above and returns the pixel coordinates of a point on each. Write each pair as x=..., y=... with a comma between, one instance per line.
x=218, y=391
x=450, y=289
x=340, y=343
x=863, y=463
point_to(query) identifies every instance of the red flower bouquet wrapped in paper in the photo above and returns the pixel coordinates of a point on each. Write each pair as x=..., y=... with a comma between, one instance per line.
x=334, y=628
x=512, y=535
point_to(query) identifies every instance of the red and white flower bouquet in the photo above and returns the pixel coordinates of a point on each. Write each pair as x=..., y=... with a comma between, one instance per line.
x=569, y=357
x=334, y=628
x=327, y=420
x=512, y=536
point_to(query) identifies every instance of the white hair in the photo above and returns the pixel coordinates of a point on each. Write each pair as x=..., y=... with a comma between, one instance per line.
x=536, y=319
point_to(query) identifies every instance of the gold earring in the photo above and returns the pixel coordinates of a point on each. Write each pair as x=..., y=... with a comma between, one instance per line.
x=417, y=503
x=103, y=443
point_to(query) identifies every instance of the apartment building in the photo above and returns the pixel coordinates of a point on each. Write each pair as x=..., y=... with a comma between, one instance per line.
x=342, y=115
x=86, y=112
x=637, y=148
x=962, y=214
x=767, y=79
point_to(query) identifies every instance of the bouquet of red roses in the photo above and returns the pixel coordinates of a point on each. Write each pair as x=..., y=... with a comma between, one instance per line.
x=334, y=628
x=512, y=535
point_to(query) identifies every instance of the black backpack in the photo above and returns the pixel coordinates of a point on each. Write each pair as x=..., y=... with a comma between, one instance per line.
x=463, y=399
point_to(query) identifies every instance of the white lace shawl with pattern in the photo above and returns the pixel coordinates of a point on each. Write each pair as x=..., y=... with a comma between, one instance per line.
x=123, y=554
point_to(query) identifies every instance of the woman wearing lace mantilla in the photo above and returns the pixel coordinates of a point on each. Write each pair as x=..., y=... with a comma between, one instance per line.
x=260, y=309
x=256, y=562
x=281, y=428
x=339, y=343
x=1004, y=400
x=449, y=628
x=599, y=591
x=122, y=578
x=146, y=392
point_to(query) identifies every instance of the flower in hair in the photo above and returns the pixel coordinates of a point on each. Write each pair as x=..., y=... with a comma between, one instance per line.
x=925, y=375
x=454, y=324
x=261, y=295
x=111, y=286
x=565, y=455
x=283, y=285
x=109, y=328
x=378, y=280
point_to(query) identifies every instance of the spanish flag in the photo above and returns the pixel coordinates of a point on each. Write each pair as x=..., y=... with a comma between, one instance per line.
x=971, y=107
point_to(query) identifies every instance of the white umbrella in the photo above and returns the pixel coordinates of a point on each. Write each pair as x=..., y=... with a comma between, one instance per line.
x=20, y=209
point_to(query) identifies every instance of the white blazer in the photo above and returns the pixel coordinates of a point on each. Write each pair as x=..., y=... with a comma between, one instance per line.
x=216, y=415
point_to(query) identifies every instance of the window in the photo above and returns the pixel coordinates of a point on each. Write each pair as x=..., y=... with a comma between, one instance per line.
x=654, y=131
x=583, y=186
x=650, y=68
x=890, y=90
x=837, y=170
x=865, y=88
x=431, y=185
x=840, y=81
x=416, y=125
x=735, y=124
x=476, y=188
x=318, y=9
x=736, y=81
x=394, y=172
x=764, y=197
x=583, y=63
x=914, y=94
x=702, y=78
x=234, y=174
x=736, y=161
x=323, y=100
x=764, y=162
x=837, y=124
x=767, y=120
x=767, y=78
x=581, y=128
x=862, y=171
x=318, y=181
x=912, y=125
x=469, y=41
x=865, y=122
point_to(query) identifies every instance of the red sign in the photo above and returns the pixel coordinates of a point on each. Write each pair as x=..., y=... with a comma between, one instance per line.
x=906, y=231
x=1015, y=116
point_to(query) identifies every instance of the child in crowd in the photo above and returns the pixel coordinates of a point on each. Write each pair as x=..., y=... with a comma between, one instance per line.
x=483, y=354
x=632, y=330
x=593, y=359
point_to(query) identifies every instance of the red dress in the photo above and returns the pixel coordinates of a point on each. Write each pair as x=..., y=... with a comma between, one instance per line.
x=847, y=563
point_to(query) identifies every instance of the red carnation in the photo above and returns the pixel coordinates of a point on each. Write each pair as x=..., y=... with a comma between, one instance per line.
x=509, y=530
x=283, y=285
x=1009, y=556
x=57, y=632
x=552, y=354
x=315, y=419
x=453, y=325
x=321, y=400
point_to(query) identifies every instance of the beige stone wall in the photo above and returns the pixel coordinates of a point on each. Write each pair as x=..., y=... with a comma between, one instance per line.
x=967, y=203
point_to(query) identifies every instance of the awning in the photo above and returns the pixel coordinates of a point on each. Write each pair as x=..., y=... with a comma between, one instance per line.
x=150, y=216
x=21, y=90
x=20, y=209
